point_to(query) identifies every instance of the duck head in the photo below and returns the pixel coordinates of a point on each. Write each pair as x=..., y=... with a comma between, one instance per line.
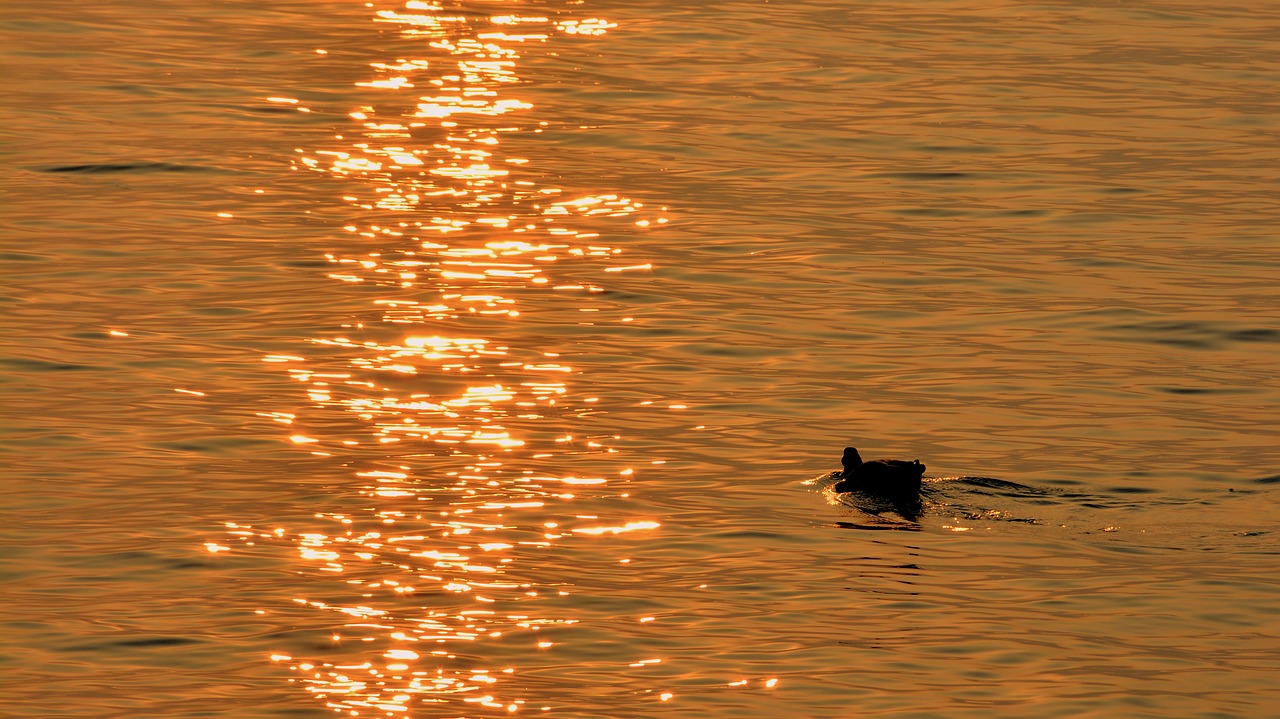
x=851, y=459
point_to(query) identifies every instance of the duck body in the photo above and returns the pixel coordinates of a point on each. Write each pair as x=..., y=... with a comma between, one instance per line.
x=888, y=478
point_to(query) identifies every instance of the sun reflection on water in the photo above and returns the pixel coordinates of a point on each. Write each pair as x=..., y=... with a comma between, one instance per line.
x=457, y=482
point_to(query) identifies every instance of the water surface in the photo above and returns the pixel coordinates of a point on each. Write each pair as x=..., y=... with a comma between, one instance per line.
x=470, y=360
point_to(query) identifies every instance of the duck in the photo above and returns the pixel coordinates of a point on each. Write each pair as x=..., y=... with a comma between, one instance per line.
x=889, y=478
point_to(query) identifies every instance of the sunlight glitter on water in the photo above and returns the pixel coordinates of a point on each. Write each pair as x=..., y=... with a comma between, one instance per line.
x=1033, y=246
x=432, y=566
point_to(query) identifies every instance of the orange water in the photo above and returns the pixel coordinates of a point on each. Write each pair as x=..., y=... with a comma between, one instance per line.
x=468, y=361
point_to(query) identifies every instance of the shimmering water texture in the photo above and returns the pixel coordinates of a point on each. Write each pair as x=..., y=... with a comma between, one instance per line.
x=477, y=359
x=473, y=452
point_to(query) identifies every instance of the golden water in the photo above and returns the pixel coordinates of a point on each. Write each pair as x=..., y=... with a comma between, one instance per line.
x=423, y=360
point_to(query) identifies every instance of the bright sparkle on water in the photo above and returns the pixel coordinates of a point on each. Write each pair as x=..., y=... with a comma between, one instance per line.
x=427, y=565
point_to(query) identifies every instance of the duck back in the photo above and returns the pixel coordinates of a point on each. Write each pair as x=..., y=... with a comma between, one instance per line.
x=884, y=477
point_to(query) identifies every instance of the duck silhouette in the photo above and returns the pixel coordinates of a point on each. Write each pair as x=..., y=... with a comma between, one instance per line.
x=893, y=479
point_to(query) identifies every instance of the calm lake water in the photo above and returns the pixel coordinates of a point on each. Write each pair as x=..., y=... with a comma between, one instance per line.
x=431, y=361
